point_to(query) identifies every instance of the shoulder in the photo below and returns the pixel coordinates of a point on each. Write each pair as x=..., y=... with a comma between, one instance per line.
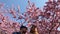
x=16, y=33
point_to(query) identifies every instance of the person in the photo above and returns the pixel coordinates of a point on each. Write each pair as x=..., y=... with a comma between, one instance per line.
x=33, y=30
x=23, y=30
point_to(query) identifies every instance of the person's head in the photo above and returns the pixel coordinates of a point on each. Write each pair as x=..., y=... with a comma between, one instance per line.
x=32, y=30
x=23, y=29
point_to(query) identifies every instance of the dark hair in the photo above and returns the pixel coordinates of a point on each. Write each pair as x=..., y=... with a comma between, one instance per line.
x=32, y=30
x=23, y=27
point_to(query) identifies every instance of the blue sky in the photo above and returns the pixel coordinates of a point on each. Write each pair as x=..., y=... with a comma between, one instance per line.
x=22, y=3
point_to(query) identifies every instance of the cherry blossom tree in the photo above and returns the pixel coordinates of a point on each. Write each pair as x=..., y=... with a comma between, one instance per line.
x=46, y=20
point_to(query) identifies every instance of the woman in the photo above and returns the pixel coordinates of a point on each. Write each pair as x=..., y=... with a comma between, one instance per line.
x=33, y=30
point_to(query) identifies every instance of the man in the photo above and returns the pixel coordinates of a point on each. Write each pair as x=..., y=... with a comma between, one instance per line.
x=23, y=30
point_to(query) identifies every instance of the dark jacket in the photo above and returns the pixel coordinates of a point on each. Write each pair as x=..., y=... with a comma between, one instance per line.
x=16, y=33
